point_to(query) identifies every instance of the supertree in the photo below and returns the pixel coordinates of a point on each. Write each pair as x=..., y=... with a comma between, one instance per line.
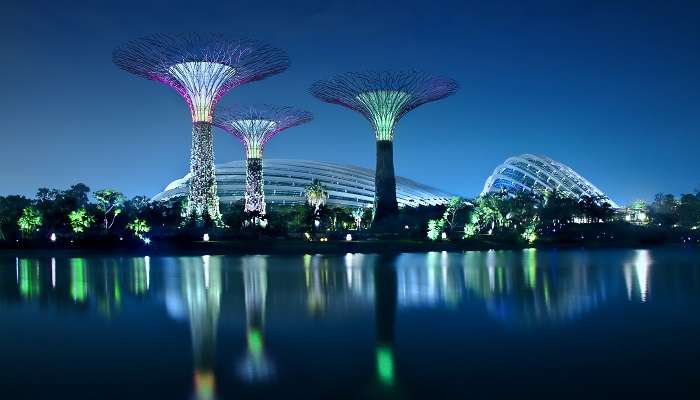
x=383, y=97
x=254, y=126
x=201, y=68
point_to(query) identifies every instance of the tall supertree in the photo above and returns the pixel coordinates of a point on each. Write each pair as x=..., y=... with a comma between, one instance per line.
x=254, y=126
x=383, y=97
x=201, y=68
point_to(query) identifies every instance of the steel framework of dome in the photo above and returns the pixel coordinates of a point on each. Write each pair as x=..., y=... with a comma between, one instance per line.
x=538, y=174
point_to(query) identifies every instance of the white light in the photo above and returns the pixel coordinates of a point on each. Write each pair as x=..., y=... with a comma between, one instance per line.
x=53, y=237
x=147, y=240
x=317, y=223
x=444, y=235
x=53, y=272
x=205, y=237
x=405, y=227
x=348, y=237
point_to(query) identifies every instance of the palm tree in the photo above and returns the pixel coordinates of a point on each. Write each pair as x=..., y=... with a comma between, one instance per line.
x=316, y=194
x=357, y=215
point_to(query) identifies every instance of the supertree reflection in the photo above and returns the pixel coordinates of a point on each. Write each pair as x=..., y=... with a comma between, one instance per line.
x=201, y=284
x=256, y=366
x=385, y=295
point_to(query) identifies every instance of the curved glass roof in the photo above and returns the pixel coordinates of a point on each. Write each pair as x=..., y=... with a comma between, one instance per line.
x=534, y=173
x=284, y=182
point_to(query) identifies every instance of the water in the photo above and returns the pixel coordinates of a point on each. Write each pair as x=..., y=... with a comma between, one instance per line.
x=478, y=324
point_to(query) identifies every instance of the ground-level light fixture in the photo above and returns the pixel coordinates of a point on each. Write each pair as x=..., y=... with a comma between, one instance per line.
x=348, y=237
x=444, y=235
x=52, y=237
x=205, y=237
x=147, y=240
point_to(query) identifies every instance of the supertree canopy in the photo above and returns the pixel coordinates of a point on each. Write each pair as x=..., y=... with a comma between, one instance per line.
x=383, y=97
x=202, y=68
x=254, y=126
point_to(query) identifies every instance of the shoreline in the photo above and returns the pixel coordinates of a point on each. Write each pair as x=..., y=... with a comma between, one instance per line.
x=299, y=248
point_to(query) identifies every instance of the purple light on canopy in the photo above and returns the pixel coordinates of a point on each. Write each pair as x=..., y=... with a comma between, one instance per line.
x=202, y=68
x=254, y=126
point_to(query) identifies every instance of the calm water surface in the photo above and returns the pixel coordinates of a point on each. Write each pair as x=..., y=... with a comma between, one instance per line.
x=594, y=324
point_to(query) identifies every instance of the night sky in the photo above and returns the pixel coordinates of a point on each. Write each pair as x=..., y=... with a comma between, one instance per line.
x=612, y=90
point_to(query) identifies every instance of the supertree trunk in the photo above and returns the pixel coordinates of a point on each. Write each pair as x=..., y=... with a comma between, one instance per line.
x=203, y=198
x=385, y=204
x=254, y=194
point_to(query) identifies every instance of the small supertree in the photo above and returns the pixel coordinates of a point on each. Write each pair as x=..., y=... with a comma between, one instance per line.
x=254, y=126
x=383, y=97
x=201, y=68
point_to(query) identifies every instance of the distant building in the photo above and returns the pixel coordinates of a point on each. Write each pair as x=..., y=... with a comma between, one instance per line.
x=532, y=173
x=284, y=182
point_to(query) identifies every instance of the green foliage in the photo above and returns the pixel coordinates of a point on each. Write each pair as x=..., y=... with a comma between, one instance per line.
x=454, y=206
x=109, y=202
x=435, y=228
x=139, y=227
x=10, y=210
x=30, y=221
x=80, y=220
x=358, y=216
x=470, y=231
x=530, y=232
x=316, y=194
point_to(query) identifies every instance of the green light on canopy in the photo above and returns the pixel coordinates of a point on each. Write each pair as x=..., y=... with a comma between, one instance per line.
x=385, y=365
x=255, y=342
x=384, y=106
x=254, y=133
x=78, y=283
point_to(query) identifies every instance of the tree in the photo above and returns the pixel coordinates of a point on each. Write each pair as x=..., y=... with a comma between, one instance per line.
x=689, y=210
x=30, y=221
x=558, y=210
x=316, y=194
x=454, y=205
x=10, y=211
x=435, y=228
x=489, y=213
x=664, y=209
x=109, y=202
x=80, y=220
x=357, y=215
x=77, y=195
x=594, y=209
x=139, y=227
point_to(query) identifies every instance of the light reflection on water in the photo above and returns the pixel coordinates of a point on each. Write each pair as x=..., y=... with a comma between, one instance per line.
x=523, y=292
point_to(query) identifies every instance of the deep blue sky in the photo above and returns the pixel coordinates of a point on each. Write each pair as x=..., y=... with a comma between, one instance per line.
x=610, y=88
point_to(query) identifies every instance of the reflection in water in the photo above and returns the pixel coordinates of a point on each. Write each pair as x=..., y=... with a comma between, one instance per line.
x=529, y=288
x=256, y=366
x=638, y=267
x=519, y=292
x=385, y=296
x=201, y=284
